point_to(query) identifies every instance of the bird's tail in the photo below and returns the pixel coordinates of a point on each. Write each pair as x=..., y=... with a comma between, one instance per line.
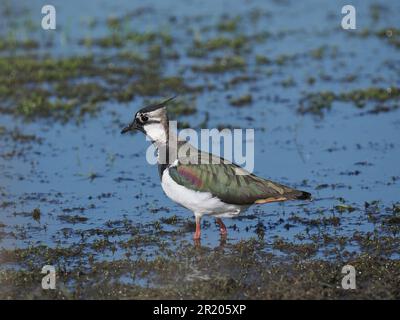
x=297, y=195
x=291, y=194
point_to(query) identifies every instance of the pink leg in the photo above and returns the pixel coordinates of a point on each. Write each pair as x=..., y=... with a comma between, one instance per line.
x=222, y=227
x=198, y=231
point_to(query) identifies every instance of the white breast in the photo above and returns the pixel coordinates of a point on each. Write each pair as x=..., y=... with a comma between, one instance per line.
x=156, y=132
x=199, y=202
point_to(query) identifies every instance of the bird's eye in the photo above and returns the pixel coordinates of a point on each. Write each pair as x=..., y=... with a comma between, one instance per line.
x=144, y=118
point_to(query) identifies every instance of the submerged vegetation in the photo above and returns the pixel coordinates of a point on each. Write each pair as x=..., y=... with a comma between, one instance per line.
x=222, y=64
x=50, y=87
x=241, y=101
x=316, y=103
x=186, y=271
x=391, y=35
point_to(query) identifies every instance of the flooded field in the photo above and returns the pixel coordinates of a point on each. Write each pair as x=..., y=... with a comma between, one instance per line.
x=75, y=194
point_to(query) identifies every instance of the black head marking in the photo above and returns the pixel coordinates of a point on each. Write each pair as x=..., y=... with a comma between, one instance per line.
x=154, y=107
x=141, y=118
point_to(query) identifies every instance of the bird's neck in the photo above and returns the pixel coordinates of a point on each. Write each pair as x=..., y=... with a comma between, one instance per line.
x=157, y=133
x=166, y=148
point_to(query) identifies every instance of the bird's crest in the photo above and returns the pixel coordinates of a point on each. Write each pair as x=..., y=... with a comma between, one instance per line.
x=154, y=107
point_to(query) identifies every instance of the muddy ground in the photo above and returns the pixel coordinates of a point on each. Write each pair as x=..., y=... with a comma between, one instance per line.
x=75, y=194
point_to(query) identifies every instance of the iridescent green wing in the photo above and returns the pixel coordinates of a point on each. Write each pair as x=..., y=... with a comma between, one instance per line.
x=223, y=182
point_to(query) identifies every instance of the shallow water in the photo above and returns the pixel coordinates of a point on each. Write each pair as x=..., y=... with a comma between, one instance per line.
x=85, y=176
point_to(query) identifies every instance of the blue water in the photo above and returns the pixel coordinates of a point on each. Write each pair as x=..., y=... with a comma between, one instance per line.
x=301, y=151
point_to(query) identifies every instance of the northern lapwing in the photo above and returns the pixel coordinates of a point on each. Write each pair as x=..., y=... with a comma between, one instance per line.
x=204, y=183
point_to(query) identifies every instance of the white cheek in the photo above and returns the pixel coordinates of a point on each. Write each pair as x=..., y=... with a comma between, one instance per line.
x=156, y=132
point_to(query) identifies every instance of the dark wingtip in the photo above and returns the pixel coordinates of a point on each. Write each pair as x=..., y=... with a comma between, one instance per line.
x=304, y=196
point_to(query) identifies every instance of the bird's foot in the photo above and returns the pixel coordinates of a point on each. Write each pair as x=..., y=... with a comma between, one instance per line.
x=222, y=228
x=197, y=242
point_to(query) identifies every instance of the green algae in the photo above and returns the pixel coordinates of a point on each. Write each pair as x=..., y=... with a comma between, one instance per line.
x=241, y=101
x=317, y=103
x=221, y=42
x=318, y=53
x=72, y=218
x=48, y=87
x=245, y=269
x=283, y=59
x=288, y=82
x=252, y=274
x=344, y=208
x=155, y=85
x=182, y=108
x=391, y=35
x=120, y=39
x=361, y=96
x=240, y=79
x=229, y=24
x=36, y=214
x=72, y=87
x=324, y=221
x=261, y=60
x=303, y=250
x=30, y=75
x=222, y=64
x=13, y=44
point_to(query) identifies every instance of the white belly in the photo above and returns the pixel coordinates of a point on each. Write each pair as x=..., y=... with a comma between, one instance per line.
x=199, y=202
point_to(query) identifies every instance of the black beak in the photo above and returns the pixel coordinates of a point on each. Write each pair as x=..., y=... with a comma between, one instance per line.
x=132, y=126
